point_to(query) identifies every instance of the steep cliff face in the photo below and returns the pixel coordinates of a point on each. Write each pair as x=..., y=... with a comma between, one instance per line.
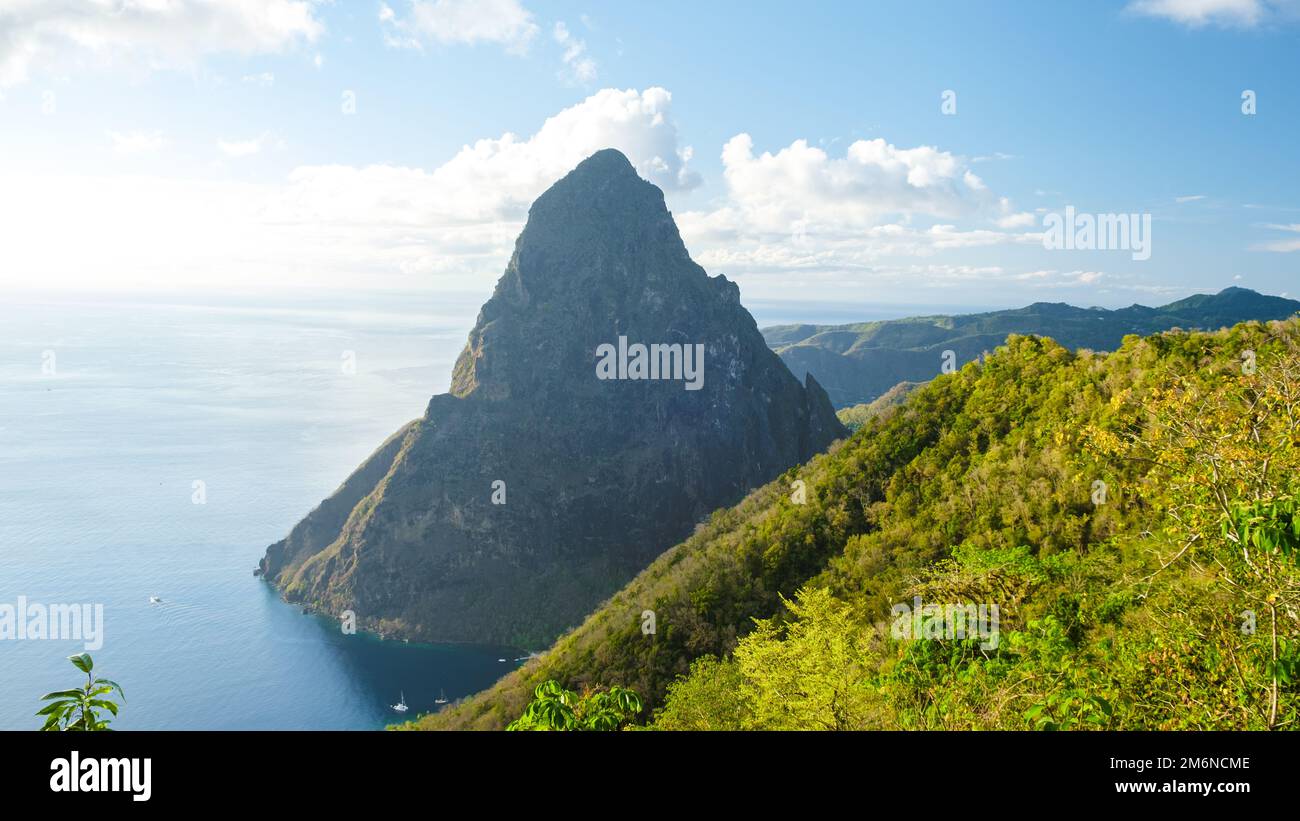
x=543, y=481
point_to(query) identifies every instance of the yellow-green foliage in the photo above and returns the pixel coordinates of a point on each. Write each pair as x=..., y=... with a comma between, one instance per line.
x=1130, y=619
x=811, y=672
x=1118, y=609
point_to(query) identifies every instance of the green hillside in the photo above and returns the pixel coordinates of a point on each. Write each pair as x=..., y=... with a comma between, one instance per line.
x=857, y=363
x=883, y=405
x=1122, y=609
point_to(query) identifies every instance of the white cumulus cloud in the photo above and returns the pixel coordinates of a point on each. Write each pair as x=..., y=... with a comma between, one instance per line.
x=769, y=192
x=873, y=211
x=37, y=34
x=503, y=22
x=327, y=224
x=512, y=170
x=801, y=208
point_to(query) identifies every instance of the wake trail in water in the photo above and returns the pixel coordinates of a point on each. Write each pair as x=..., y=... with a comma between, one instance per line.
x=174, y=613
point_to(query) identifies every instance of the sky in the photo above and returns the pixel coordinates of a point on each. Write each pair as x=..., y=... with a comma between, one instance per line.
x=889, y=152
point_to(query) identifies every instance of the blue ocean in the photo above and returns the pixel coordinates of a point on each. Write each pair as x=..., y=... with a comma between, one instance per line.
x=113, y=410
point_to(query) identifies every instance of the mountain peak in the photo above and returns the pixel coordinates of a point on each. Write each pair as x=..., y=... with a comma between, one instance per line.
x=601, y=193
x=601, y=254
x=606, y=465
x=606, y=161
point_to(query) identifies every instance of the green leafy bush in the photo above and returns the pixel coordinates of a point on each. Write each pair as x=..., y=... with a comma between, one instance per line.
x=81, y=708
x=555, y=708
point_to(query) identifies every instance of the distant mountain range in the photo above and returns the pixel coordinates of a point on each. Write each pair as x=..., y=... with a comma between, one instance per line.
x=858, y=363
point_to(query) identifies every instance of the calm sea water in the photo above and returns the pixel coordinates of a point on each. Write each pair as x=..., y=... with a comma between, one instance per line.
x=100, y=449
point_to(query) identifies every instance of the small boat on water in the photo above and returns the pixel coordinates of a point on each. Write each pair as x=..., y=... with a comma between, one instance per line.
x=155, y=600
x=442, y=697
x=400, y=706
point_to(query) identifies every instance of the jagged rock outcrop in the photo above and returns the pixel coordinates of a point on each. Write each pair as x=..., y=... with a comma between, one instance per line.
x=535, y=488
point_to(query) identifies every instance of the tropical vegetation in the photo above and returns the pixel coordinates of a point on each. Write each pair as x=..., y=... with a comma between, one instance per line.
x=1131, y=515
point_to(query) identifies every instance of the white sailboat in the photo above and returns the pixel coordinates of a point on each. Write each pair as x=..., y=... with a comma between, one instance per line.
x=442, y=697
x=400, y=706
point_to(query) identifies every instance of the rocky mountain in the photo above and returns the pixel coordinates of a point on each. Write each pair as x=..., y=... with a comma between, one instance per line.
x=859, y=362
x=611, y=395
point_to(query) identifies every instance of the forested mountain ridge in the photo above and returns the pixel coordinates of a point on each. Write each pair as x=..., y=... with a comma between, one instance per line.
x=859, y=362
x=1132, y=514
